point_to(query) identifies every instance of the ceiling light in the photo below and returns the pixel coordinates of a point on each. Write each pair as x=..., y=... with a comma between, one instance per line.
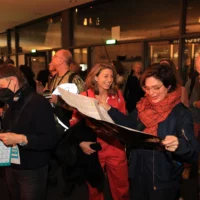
x=73, y=1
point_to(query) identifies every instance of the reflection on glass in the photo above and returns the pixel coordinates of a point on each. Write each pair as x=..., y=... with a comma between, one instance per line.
x=163, y=50
x=135, y=19
x=191, y=51
x=21, y=60
x=80, y=55
x=3, y=44
x=13, y=49
x=193, y=16
x=45, y=34
x=124, y=53
x=14, y=59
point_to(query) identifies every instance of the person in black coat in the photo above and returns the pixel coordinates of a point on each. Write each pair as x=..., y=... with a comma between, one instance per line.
x=29, y=125
x=133, y=91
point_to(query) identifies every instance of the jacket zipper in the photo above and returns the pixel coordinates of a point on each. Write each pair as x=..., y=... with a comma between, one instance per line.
x=154, y=187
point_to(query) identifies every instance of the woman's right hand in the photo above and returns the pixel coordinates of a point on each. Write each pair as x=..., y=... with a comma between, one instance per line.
x=85, y=146
x=73, y=121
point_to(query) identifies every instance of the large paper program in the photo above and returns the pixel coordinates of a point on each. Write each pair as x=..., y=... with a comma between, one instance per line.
x=99, y=119
x=86, y=105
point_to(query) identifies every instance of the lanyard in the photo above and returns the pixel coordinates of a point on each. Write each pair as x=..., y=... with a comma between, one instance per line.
x=54, y=83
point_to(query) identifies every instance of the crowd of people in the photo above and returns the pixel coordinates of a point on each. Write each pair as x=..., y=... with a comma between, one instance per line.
x=155, y=101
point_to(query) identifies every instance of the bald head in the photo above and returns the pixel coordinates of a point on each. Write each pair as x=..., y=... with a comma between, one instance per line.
x=197, y=64
x=65, y=55
x=62, y=57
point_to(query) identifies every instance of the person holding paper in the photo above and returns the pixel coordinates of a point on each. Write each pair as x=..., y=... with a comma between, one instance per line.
x=100, y=84
x=29, y=127
x=156, y=174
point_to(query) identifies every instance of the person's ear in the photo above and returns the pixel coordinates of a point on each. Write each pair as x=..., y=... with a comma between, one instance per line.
x=96, y=78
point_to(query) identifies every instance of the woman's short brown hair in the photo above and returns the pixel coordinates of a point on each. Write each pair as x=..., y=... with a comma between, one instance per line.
x=90, y=82
x=162, y=72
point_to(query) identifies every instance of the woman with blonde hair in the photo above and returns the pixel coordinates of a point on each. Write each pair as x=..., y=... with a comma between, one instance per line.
x=100, y=84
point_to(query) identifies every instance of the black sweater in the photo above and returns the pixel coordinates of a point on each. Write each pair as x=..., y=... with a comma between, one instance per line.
x=36, y=121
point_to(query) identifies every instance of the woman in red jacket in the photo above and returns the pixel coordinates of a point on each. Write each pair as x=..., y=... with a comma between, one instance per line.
x=100, y=84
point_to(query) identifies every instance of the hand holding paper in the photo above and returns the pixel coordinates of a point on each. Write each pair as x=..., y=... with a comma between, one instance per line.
x=12, y=138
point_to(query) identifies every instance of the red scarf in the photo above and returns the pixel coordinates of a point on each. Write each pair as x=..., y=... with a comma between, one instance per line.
x=151, y=114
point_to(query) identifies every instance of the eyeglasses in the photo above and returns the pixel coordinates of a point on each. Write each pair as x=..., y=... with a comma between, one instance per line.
x=153, y=89
x=59, y=57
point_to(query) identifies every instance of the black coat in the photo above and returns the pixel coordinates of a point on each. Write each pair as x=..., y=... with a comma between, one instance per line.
x=34, y=118
x=132, y=92
x=85, y=167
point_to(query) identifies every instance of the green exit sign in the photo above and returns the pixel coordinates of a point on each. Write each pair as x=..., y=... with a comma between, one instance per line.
x=34, y=50
x=111, y=41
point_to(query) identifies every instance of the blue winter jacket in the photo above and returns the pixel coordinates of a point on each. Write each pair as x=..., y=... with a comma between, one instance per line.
x=161, y=169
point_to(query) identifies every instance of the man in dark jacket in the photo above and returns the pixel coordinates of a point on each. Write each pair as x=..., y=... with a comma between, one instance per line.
x=28, y=124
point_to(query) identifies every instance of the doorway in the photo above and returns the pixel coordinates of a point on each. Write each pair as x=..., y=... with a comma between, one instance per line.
x=36, y=61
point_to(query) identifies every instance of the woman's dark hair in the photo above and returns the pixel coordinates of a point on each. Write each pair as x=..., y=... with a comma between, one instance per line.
x=171, y=64
x=43, y=76
x=9, y=61
x=162, y=72
x=9, y=70
x=27, y=71
x=29, y=75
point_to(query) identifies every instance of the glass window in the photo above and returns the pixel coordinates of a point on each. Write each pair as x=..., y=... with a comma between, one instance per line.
x=45, y=34
x=38, y=63
x=21, y=59
x=191, y=51
x=80, y=57
x=13, y=49
x=3, y=44
x=14, y=59
x=193, y=16
x=163, y=50
x=123, y=53
x=125, y=21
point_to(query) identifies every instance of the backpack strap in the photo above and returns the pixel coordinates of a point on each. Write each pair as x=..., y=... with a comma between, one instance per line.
x=71, y=77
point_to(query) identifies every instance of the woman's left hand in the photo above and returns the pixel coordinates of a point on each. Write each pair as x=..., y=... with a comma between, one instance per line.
x=171, y=143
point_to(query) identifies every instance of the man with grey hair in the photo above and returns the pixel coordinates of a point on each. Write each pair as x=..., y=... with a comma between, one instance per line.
x=61, y=62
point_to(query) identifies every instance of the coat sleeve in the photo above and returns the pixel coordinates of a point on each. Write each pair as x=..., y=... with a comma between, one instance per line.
x=188, y=147
x=121, y=119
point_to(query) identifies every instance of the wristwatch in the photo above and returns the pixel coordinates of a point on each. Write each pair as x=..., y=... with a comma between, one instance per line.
x=22, y=144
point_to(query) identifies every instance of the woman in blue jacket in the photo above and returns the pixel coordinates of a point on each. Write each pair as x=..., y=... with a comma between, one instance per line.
x=155, y=174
